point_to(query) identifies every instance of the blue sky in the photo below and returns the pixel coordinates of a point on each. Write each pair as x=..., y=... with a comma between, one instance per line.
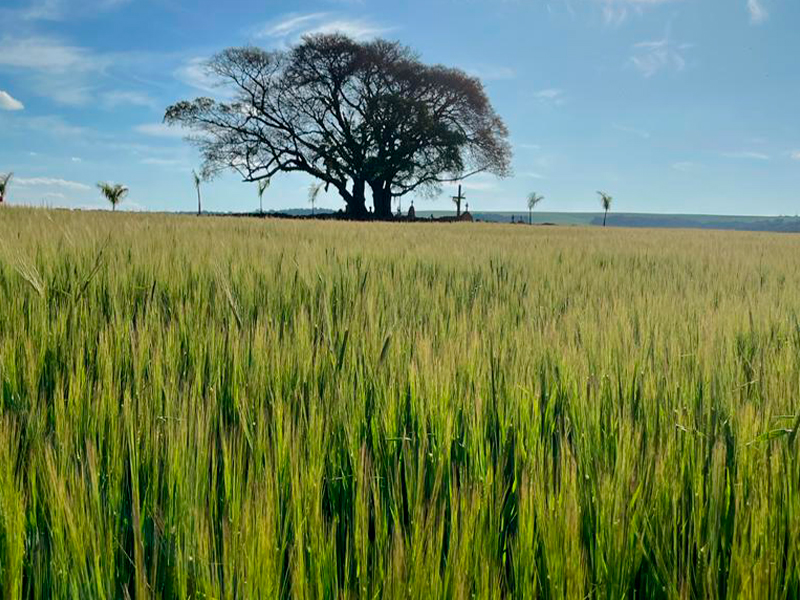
x=682, y=106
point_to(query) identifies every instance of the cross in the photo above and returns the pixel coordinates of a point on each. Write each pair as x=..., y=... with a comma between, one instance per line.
x=457, y=200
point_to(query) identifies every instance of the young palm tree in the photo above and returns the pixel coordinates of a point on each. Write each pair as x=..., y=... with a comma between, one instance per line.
x=4, y=181
x=533, y=200
x=112, y=192
x=606, y=200
x=263, y=184
x=313, y=192
x=198, y=180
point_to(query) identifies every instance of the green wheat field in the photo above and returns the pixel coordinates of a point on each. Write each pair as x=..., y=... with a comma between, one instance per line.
x=243, y=408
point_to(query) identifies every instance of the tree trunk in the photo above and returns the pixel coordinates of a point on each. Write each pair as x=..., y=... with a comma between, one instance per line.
x=382, y=199
x=530, y=217
x=199, y=207
x=357, y=201
x=605, y=216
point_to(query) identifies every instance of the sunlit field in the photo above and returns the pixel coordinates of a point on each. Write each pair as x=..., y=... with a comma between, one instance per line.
x=241, y=408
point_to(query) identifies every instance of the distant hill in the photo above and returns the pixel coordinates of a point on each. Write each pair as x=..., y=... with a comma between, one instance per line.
x=783, y=224
x=738, y=223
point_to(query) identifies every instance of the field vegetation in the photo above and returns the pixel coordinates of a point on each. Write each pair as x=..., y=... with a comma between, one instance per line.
x=247, y=408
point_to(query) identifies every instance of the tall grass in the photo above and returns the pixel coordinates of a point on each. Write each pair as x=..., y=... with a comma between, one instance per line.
x=208, y=408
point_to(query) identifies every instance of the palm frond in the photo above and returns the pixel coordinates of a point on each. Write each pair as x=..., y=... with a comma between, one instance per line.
x=534, y=199
x=113, y=192
x=263, y=184
x=4, y=181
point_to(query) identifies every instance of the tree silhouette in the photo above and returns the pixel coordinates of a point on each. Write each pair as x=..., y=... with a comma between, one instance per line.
x=350, y=114
x=114, y=193
x=533, y=200
x=5, y=180
x=262, y=184
x=198, y=180
x=605, y=199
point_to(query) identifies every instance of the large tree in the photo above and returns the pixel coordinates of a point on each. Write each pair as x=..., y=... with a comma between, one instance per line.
x=351, y=114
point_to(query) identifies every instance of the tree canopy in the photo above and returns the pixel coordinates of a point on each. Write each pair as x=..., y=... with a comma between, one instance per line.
x=113, y=192
x=352, y=115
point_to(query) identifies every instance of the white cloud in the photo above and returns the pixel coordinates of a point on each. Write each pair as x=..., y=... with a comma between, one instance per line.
x=291, y=27
x=51, y=182
x=758, y=14
x=169, y=163
x=479, y=186
x=552, y=96
x=117, y=98
x=57, y=10
x=684, y=166
x=7, y=102
x=76, y=159
x=616, y=12
x=194, y=74
x=645, y=135
x=482, y=182
x=747, y=155
x=291, y=24
x=53, y=69
x=532, y=175
x=47, y=54
x=44, y=10
x=795, y=155
x=651, y=57
x=51, y=125
x=492, y=72
x=161, y=130
x=71, y=74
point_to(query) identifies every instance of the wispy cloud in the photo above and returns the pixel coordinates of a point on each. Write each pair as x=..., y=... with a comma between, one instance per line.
x=51, y=125
x=758, y=14
x=645, y=135
x=478, y=186
x=114, y=99
x=553, y=96
x=167, y=163
x=652, y=57
x=42, y=53
x=795, y=154
x=161, y=130
x=73, y=75
x=291, y=27
x=685, y=166
x=57, y=10
x=747, y=155
x=616, y=12
x=492, y=72
x=53, y=68
x=194, y=74
x=51, y=182
x=44, y=10
x=7, y=102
